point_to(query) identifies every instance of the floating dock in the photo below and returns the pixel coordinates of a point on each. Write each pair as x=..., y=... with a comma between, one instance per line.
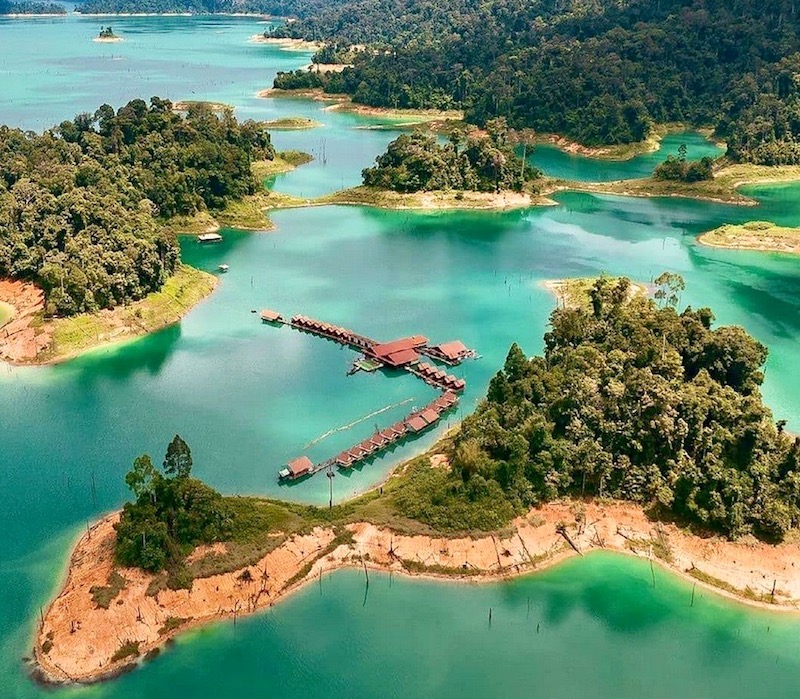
x=410, y=426
x=404, y=353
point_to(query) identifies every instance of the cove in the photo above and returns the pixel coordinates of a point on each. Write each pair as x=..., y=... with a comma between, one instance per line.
x=247, y=397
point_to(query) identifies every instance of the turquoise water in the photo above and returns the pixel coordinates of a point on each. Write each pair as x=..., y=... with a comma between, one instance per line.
x=247, y=397
x=557, y=163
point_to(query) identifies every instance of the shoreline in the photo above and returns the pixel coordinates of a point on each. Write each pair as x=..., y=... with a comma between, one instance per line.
x=626, y=151
x=76, y=640
x=26, y=340
x=434, y=200
x=343, y=102
x=285, y=44
x=573, y=292
x=754, y=236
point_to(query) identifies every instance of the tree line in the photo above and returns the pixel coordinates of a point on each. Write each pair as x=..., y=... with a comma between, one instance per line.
x=31, y=8
x=635, y=400
x=468, y=161
x=82, y=205
x=598, y=73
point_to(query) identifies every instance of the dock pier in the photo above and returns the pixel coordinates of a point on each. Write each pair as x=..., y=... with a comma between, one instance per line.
x=402, y=354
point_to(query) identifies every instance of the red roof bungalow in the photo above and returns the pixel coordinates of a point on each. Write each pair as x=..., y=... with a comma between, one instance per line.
x=453, y=351
x=367, y=446
x=398, y=352
x=429, y=415
x=269, y=316
x=297, y=468
x=416, y=423
x=345, y=460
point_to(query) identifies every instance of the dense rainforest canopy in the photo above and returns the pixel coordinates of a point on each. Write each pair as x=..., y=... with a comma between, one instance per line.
x=597, y=71
x=81, y=205
x=635, y=400
x=26, y=7
x=485, y=163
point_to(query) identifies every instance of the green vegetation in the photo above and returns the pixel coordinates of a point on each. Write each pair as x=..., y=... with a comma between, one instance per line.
x=416, y=162
x=82, y=205
x=104, y=595
x=107, y=33
x=577, y=292
x=292, y=124
x=181, y=291
x=127, y=650
x=172, y=512
x=753, y=235
x=171, y=624
x=6, y=313
x=598, y=73
x=31, y=8
x=681, y=170
x=745, y=593
x=633, y=400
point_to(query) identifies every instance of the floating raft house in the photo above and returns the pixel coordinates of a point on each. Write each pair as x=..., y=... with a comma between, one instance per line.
x=209, y=238
x=269, y=316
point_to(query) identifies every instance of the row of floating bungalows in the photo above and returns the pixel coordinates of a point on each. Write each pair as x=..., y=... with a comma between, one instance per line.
x=333, y=332
x=438, y=378
x=413, y=424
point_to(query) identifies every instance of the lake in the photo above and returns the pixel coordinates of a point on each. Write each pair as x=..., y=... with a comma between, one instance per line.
x=247, y=397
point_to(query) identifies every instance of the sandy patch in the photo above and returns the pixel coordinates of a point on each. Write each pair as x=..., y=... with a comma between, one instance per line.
x=286, y=44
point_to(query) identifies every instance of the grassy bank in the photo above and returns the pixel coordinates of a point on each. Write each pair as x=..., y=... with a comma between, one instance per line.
x=722, y=188
x=292, y=124
x=248, y=213
x=387, y=199
x=574, y=293
x=182, y=291
x=754, y=235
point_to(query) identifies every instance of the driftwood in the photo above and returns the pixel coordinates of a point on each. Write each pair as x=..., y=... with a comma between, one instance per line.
x=561, y=529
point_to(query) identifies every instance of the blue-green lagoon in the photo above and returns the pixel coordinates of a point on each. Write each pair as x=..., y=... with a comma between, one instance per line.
x=247, y=397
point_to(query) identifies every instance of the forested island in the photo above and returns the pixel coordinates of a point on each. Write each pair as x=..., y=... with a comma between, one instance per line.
x=635, y=407
x=598, y=74
x=469, y=161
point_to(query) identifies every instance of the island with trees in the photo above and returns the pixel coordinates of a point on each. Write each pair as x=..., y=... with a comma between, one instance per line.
x=90, y=211
x=472, y=170
x=641, y=427
x=107, y=36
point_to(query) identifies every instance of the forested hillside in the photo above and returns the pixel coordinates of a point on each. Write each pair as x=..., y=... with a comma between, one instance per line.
x=82, y=205
x=635, y=400
x=277, y=8
x=598, y=72
x=31, y=8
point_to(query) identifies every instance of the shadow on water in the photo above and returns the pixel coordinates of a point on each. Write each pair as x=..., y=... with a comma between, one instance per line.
x=146, y=355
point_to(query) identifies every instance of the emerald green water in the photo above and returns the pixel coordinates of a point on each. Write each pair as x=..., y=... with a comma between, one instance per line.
x=247, y=397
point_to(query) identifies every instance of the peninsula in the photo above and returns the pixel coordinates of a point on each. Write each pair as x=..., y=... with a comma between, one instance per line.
x=763, y=236
x=92, y=256
x=554, y=481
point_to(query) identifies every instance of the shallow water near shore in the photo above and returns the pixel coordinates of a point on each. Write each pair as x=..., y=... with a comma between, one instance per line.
x=247, y=397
